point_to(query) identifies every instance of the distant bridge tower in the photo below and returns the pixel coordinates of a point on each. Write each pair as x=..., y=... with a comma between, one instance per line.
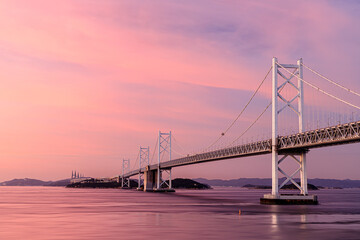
x=298, y=156
x=125, y=182
x=143, y=162
x=154, y=178
x=164, y=148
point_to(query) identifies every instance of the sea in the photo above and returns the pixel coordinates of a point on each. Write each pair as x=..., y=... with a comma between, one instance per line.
x=219, y=213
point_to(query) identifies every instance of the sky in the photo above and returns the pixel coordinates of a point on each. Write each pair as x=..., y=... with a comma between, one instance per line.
x=85, y=83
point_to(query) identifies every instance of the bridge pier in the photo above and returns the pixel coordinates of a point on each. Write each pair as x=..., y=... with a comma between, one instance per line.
x=149, y=180
x=164, y=147
x=303, y=198
x=153, y=181
x=275, y=197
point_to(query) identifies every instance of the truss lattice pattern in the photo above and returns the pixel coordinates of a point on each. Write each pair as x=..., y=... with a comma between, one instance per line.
x=340, y=134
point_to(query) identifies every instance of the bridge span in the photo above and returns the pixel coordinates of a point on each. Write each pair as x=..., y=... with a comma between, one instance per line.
x=293, y=146
x=295, y=143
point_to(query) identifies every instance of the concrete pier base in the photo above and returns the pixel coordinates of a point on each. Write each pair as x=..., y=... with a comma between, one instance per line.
x=289, y=199
x=160, y=190
x=149, y=180
x=150, y=177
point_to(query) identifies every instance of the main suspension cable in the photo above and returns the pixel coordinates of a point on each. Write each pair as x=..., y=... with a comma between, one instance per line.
x=247, y=104
x=327, y=79
x=319, y=89
x=252, y=124
x=134, y=165
x=177, y=144
x=155, y=148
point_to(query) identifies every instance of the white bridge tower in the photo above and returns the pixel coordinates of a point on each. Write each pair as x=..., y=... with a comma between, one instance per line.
x=125, y=182
x=295, y=81
x=164, y=148
x=143, y=162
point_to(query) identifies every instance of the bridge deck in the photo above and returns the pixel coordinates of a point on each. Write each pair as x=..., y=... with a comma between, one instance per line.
x=335, y=135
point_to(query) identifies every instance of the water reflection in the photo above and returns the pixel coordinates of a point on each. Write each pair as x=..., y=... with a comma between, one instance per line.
x=59, y=213
x=303, y=219
x=274, y=221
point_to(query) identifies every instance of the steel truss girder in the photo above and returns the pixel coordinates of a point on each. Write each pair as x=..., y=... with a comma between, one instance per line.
x=323, y=136
x=340, y=134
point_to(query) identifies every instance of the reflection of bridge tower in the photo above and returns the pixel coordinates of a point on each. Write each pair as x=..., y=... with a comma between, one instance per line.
x=143, y=162
x=299, y=156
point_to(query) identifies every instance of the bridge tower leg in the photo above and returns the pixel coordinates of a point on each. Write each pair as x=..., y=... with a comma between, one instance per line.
x=303, y=175
x=274, y=127
x=275, y=197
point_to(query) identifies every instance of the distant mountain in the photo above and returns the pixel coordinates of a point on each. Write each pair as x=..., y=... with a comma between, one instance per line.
x=23, y=182
x=235, y=182
x=34, y=182
x=59, y=183
x=327, y=183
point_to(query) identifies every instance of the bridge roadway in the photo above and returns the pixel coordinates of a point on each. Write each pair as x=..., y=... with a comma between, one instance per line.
x=335, y=135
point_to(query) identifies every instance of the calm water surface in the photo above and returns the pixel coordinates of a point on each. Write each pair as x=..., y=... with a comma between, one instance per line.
x=60, y=213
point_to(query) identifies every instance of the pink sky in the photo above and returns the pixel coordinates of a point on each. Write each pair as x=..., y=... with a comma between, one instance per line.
x=85, y=83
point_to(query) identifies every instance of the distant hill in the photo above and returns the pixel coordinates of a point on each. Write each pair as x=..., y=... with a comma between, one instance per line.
x=94, y=183
x=325, y=183
x=188, y=184
x=24, y=182
x=34, y=182
x=59, y=183
x=241, y=182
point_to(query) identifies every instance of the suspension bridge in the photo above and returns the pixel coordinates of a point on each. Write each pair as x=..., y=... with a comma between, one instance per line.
x=281, y=146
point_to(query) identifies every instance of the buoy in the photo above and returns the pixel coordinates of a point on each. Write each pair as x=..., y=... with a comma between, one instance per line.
x=239, y=212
